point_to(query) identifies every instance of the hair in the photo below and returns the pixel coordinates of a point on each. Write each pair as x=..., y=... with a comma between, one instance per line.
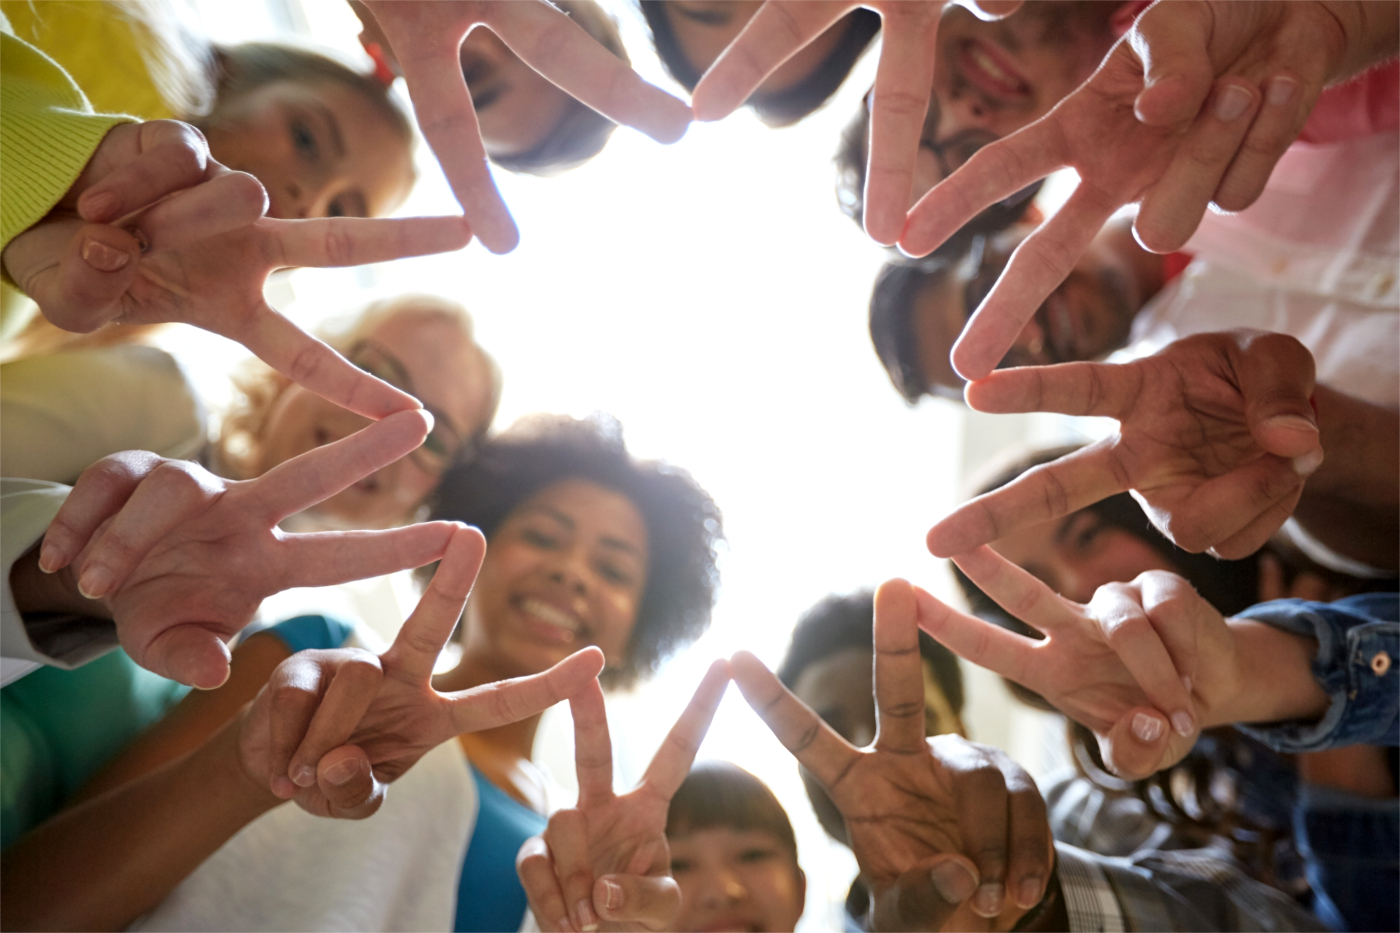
x=892, y=300
x=582, y=132
x=850, y=162
x=718, y=793
x=683, y=523
x=786, y=107
x=239, y=445
x=841, y=622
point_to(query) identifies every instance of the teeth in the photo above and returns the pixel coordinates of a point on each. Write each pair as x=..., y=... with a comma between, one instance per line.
x=547, y=613
x=987, y=64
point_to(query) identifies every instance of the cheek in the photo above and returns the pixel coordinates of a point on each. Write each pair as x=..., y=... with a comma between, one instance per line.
x=1124, y=556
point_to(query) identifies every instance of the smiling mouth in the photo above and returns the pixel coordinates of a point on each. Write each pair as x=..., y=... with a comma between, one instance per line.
x=982, y=69
x=565, y=624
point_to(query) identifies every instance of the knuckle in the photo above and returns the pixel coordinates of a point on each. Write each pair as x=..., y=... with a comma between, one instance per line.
x=339, y=244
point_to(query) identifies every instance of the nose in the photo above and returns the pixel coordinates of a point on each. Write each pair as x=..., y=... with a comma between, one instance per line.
x=720, y=887
x=572, y=571
x=964, y=109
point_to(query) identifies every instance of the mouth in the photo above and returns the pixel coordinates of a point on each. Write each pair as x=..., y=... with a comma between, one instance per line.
x=986, y=68
x=731, y=925
x=550, y=622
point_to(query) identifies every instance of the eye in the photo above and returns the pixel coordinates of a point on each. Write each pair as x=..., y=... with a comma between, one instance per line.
x=536, y=537
x=1084, y=531
x=679, y=865
x=336, y=209
x=304, y=140
x=614, y=573
x=756, y=854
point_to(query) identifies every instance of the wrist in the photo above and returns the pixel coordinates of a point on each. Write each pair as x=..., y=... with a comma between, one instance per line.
x=1274, y=680
x=1369, y=32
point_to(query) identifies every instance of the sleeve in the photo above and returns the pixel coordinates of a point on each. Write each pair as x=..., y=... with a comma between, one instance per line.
x=311, y=631
x=1358, y=639
x=48, y=131
x=61, y=413
x=1190, y=889
x=26, y=508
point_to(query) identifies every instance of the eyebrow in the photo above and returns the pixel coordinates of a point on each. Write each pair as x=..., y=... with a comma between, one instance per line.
x=333, y=126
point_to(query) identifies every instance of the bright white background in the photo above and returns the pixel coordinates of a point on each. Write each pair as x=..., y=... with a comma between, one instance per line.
x=712, y=297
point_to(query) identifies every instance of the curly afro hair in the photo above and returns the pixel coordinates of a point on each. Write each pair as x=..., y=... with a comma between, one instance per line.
x=683, y=523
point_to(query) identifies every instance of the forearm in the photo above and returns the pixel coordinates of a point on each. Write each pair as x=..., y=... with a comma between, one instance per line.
x=1372, y=32
x=101, y=864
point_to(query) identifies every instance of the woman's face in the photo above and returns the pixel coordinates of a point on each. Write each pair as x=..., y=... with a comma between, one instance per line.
x=428, y=356
x=566, y=569
x=1077, y=554
x=516, y=107
x=733, y=879
x=318, y=148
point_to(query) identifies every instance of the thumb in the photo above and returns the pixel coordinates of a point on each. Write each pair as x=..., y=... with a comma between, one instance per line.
x=187, y=653
x=1276, y=380
x=924, y=898
x=1136, y=746
x=651, y=900
x=1177, y=71
x=344, y=777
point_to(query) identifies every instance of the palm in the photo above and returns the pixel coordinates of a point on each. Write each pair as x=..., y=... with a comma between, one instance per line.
x=899, y=809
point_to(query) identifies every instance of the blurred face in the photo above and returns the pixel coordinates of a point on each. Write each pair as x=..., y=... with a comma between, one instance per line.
x=1086, y=317
x=319, y=149
x=991, y=79
x=429, y=357
x=1076, y=555
x=840, y=688
x=516, y=107
x=704, y=29
x=566, y=569
x=733, y=879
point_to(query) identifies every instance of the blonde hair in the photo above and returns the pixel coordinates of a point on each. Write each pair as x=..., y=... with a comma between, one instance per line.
x=238, y=448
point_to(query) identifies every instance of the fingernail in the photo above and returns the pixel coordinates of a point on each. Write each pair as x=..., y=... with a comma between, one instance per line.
x=1292, y=423
x=1147, y=728
x=988, y=899
x=1186, y=682
x=282, y=787
x=565, y=926
x=586, y=916
x=1231, y=103
x=612, y=895
x=1028, y=893
x=99, y=207
x=48, y=556
x=339, y=773
x=102, y=257
x=305, y=777
x=95, y=581
x=1182, y=723
x=1281, y=90
x=1308, y=463
x=953, y=881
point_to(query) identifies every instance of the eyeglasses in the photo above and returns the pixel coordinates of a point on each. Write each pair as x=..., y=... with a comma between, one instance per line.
x=954, y=152
x=443, y=441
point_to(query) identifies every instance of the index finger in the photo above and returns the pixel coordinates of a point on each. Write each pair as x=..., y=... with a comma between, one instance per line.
x=812, y=742
x=1052, y=490
x=416, y=647
x=551, y=43
x=672, y=761
x=899, y=679
x=592, y=746
x=506, y=701
x=357, y=241
x=318, y=474
x=778, y=31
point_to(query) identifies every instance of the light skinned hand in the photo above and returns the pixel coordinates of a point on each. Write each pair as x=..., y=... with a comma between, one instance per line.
x=182, y=558
x=1194, y=105
x=84, y=275
x=426, y=36
x=948, y=834
x=605, y=862
x=332, y=728
x=1215, y=439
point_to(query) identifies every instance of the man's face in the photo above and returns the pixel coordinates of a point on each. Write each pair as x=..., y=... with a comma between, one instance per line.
x=1086, y=317
x=991, y=79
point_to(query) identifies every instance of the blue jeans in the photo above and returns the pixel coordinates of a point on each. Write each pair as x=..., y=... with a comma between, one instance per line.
x=1351, y=847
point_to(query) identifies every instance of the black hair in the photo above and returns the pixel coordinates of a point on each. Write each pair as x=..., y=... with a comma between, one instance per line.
x=859, y=28
x=840, y=622
x=898, y=285
x=683, y=523
x=718, y=793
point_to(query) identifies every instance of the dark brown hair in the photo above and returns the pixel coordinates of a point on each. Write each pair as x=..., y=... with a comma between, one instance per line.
x=717, y=793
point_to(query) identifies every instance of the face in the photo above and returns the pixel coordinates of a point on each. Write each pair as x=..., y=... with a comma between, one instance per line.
x=566, y=569
x=733, y=879
x=1086, y=317
x=840, y=689
x=318, y=149
x=516, y=107
x=429, y=357
x=991, y=79
x=1077, y=554
x=704, y=29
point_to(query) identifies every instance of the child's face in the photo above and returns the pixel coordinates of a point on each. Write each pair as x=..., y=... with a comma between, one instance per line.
x=318, y=148
x=733, y=879
x=516, y=107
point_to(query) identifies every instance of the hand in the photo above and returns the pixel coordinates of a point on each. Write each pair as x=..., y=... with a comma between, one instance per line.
x=606, y=858
x=903, y=83
x=1215, y=438
x=217, y=284
x=1194, y=105
x=182, y=558
x=331, y=728
x=930, y=820
x=426, y=36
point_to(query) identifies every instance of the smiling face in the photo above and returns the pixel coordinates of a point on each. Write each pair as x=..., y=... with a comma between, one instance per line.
x=564, y=570
x=1079, y=553
x=318, y=148
x=516, y=107
x=732, y=879
x=442, y=368
x=991, y=79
